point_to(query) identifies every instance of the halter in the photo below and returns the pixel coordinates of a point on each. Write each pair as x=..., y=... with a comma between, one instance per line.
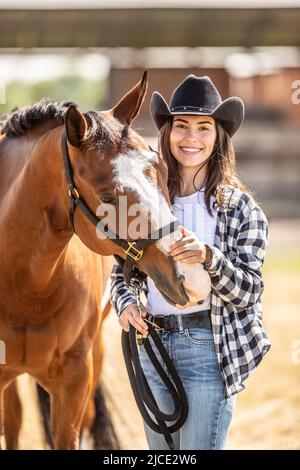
x=133, y=250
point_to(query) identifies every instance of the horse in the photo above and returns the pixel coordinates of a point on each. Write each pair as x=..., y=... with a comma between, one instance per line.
x=51, y=279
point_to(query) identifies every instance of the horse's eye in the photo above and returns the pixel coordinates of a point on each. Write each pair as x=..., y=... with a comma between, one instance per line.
x=106, y=199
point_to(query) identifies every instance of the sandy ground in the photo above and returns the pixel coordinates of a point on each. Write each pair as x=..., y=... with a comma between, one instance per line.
x=267, y=415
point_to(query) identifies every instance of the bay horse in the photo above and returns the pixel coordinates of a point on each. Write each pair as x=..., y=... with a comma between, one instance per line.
x=51, y=281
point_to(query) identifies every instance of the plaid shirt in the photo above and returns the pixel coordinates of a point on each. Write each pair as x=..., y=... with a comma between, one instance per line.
x=239, y=248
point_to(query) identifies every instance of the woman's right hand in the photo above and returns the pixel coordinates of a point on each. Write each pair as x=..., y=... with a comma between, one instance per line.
x=131, y=315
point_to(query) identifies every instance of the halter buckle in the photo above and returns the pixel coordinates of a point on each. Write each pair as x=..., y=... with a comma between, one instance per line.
x=135, y=253
x=73, y=193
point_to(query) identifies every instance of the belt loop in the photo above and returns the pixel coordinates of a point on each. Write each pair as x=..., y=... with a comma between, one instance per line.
x=180, y=323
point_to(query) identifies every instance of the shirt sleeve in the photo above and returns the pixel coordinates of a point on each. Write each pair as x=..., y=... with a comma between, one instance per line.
x=120, y=295
x=239, y=279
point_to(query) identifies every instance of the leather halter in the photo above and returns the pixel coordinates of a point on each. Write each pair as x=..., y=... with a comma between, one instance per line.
x=133, y=249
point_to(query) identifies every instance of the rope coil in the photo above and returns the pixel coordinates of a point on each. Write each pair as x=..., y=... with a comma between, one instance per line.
x=142, y=393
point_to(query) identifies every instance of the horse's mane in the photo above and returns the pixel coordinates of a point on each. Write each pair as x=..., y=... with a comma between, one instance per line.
x=101, y=130
x=20, y=120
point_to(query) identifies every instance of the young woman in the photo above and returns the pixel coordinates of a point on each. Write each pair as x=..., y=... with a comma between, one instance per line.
x=224, y=229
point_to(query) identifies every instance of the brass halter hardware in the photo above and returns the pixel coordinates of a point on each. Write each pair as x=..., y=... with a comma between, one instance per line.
x=135, y=253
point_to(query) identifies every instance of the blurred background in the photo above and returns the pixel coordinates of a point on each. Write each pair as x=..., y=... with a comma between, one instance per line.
x=92, y=52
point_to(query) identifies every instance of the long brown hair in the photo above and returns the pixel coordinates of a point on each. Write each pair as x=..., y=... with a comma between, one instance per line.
x=221, y=167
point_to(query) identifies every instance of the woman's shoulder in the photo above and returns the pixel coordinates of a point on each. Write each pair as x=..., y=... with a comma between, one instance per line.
x=235, y=198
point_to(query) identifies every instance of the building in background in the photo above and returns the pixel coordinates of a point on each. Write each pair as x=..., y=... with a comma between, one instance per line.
x=249, y=49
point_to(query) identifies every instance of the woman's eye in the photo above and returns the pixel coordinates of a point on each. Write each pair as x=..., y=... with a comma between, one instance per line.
x=182, y=126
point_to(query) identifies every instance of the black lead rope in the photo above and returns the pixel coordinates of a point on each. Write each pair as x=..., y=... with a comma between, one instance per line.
x=143, y=395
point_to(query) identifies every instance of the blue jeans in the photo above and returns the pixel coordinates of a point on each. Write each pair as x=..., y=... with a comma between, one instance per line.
x=210, y=412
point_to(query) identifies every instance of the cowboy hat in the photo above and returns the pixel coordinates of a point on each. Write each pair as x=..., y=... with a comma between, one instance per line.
x=199, y=96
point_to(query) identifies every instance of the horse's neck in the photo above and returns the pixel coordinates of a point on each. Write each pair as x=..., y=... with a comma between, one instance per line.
x=34, y=216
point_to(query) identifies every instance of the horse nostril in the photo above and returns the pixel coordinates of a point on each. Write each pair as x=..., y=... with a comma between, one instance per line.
x=181, y=278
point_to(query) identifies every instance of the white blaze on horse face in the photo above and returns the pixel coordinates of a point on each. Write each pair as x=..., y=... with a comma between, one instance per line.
x=130, y=173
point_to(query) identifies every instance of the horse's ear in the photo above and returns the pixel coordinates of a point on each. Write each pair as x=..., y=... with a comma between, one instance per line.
x=129, y=106
x=75, y=125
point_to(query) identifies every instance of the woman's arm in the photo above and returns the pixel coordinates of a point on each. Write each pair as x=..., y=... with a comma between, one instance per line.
x=125, y=304
x=120, y=295
x=239, y=280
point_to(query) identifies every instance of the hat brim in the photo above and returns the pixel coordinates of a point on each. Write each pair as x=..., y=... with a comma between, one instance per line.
x=230, y=112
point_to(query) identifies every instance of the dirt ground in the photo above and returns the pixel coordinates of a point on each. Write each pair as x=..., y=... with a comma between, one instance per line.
x=267, y=415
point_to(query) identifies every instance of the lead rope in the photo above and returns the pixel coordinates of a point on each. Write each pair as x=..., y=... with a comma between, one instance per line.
x=142, y=393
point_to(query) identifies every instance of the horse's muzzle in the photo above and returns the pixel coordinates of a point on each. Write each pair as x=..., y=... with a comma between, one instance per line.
x=175, y=295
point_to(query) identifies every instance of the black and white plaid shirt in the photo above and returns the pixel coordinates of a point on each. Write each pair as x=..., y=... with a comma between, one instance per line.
x=239, y=248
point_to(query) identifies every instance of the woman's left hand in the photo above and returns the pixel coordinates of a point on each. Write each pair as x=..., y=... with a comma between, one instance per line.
x=189, y=249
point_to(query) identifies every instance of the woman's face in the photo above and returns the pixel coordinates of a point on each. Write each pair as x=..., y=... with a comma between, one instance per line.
x=192, y=139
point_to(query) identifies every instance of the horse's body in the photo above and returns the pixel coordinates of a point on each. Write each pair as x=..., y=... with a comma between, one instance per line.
x=51, y=282
x=50, y=286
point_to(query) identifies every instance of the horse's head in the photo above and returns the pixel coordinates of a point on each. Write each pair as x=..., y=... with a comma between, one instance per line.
x=125, y=184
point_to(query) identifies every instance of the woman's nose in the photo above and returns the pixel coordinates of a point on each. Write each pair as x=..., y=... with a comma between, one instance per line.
x=192, y=135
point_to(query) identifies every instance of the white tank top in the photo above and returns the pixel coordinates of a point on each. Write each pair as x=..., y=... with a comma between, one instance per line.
x=192, y=213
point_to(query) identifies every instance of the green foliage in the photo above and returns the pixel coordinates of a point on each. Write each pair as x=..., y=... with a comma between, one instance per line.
x=88, y=94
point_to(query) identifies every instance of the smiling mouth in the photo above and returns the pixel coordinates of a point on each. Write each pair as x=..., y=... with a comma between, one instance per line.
x=190, y=150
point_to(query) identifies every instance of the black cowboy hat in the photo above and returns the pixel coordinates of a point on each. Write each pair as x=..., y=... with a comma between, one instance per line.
x=199, y=96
